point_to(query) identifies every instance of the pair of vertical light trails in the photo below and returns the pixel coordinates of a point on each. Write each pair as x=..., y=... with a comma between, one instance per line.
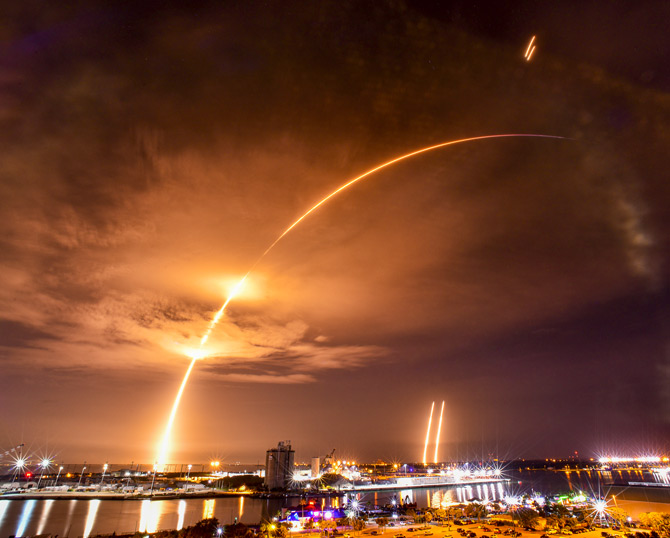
x=437, y=435
x=201, y=352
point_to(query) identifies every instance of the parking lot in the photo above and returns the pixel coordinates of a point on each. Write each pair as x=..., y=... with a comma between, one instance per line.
x=472, y=530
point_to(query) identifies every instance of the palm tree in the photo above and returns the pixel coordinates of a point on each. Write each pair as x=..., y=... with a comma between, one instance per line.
x=382, y=522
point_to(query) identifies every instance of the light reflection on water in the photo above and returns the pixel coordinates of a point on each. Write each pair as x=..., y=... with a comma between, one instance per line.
x=208, y=509
x=181, y=511
x=45, y=515
x=90, y=517
x=25, y=517
x=68, y=522
x=150, y=515
x=4, y=505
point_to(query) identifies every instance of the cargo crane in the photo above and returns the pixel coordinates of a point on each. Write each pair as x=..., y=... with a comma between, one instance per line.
x=328, y=461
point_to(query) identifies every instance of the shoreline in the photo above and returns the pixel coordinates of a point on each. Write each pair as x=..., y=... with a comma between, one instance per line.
x=120, y=496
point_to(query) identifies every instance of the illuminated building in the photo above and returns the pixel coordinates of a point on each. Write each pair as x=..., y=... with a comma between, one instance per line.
x=279, y=466
x=316, y=467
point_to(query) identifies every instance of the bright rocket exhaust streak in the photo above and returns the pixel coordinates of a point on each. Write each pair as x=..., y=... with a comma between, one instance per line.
x=165, y=445
x=219, y=314
x=430, y=420
x=439, y=429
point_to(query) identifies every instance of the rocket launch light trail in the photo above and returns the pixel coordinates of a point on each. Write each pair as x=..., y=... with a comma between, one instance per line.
x=530, y=49
x=430, y=420
x=165, y=444
x=219, y=314
x=439, y=429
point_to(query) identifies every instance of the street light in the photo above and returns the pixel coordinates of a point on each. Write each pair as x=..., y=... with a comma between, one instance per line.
x=19, y=465
x=44, y=464
x=104, y=470
x=81, y=475
x=153, y=480
x=189, y=471
x=58, y=475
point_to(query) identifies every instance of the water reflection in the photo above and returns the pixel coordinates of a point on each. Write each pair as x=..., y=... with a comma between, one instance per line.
x=208, y=509
x=181, y=512
x=90, y=517
x=3, y=508
x=241, y=511
x=45, y=515
x=68, y=521
x=25, y=517
x=150, y=515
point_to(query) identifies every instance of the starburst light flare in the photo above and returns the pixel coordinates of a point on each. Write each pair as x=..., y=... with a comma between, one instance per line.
x=219, y=314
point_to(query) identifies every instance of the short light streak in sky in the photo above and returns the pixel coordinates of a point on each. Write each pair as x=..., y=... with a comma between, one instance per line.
x=90, y=517
x=530, y=49
x=25, y=517
x=430, y=421
x=164, y=448
x=439, y=429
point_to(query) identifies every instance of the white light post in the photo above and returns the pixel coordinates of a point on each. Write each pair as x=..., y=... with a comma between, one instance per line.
x=189, y=471
x=81, y=475
x=153, y=480
x=19, y=464
x=104, y=470
x=58, y=475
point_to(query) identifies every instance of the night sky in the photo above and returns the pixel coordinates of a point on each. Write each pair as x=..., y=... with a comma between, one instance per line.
x=151, y=154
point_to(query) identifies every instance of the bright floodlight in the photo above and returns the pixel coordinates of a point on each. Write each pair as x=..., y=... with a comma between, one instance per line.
x=20, y=463
x=600, y=506
x=45, y=463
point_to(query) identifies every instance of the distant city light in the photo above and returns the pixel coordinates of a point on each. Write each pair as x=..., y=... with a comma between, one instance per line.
x=639, y=459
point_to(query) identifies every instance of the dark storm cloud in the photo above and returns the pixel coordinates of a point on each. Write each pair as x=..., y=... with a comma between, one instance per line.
x=13, y=334
x=150, y=156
